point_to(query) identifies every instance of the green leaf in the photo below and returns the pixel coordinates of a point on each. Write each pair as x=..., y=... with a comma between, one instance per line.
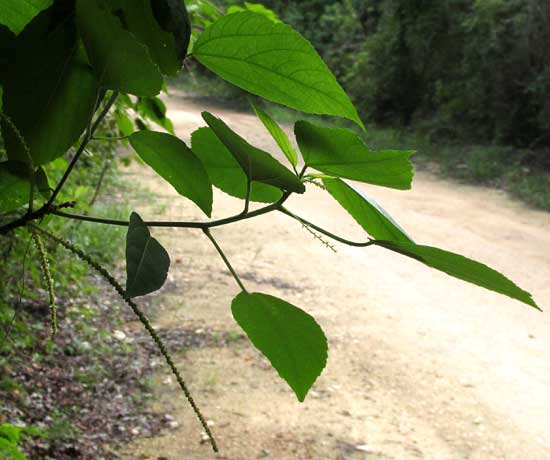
x=462, y=268
x=173, y=18
x=142, y=18
x=42, y=183
x=16, y=14
x=14, y=185
x=175, y=162
x=147, y=262
x=258, y=165
x=376, y=222
x=273, y=61
x=152, y=108
x=278, y=134
x=124, y=124
x=341, y=153
x=255, y=8
x=290, y=338
x=49, y=95
x=119, y=60
x=224, y=171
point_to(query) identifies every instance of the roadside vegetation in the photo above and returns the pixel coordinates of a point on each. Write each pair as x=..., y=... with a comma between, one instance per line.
x=81, y=79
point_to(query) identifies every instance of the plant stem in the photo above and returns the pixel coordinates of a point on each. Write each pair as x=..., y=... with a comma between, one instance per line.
x=99, y=182
x=226, y=261
x=200, y=225
x=142, y=318
x=89, y=133
x=247, y=199
x=325, y=232
x=54, y=210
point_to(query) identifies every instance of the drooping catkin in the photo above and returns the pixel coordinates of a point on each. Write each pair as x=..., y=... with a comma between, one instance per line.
x=144, y=321
x=48, y=280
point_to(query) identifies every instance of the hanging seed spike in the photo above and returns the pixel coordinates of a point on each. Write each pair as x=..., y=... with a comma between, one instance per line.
x=144, y=321
x=48, y=281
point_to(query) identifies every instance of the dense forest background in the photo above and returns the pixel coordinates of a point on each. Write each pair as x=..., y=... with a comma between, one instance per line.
x=476, y=69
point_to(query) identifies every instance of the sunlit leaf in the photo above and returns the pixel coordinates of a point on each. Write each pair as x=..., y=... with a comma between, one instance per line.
x=341, y=153
x=367, y=212
x=278, y=134
x=273, y=61
x=147, y=262
x=224, y=171
x=16, y=14
x=119, y=60
x=290, y=338
x=258, y=165
x=462, y=268
x=255, y=8
x=175, y=162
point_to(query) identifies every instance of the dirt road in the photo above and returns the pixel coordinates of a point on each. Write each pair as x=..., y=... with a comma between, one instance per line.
x=421, y=366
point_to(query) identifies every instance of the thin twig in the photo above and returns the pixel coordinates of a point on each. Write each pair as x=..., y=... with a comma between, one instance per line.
x=89, y=133
x=247, y=198
x=325, y=232
x=225, y=259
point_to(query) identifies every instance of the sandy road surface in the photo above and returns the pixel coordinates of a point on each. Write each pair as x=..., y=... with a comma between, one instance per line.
x=421, y=366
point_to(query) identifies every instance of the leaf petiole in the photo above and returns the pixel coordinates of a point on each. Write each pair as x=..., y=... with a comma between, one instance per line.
x=225, y=259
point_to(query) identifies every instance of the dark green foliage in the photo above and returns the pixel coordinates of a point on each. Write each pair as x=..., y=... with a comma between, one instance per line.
x=54, y=80
x=147, y=262
x=140, y=17
x=119, y=60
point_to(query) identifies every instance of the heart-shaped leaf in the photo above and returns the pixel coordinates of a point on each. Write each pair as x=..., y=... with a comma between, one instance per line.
x=147, y=262
x=342, y=153
x=258, y=165
x=290, y=338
